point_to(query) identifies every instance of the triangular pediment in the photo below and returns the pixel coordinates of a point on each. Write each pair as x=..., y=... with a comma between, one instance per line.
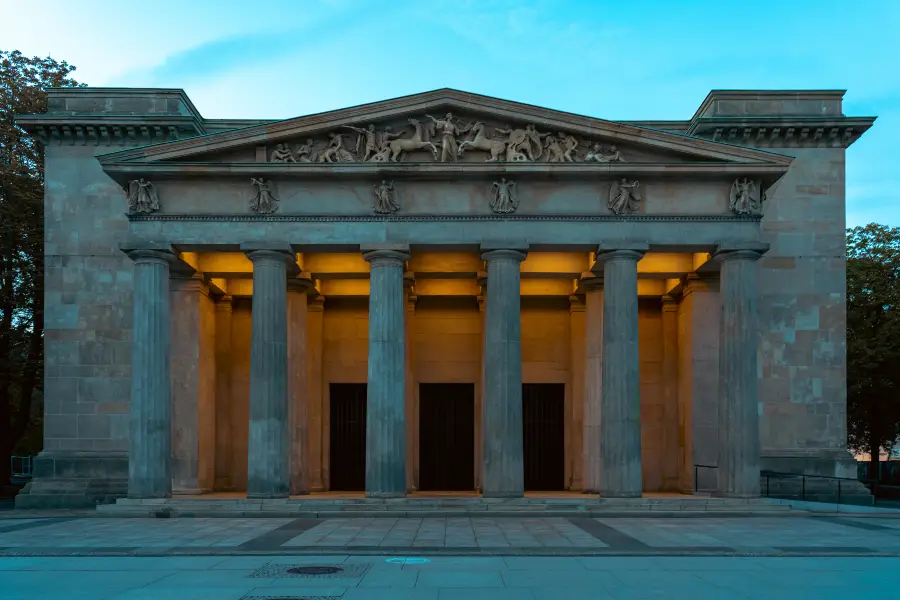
x=497, y=129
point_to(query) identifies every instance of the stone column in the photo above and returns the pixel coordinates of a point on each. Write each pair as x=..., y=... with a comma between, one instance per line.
x=671, y=457
x=479, y=396
x=150, y=434
x=738, y=472
x=575, y=416
x=411, y=409
x=593, y=381
x=620, y=410
x=223, y=394
x=298, y=391
x=268, y=468
x=385, y=417
x=193, y=385
x=501, y=426
x=314, y=309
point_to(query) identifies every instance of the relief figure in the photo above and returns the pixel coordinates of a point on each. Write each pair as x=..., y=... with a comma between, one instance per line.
x=263, y=202
x=624, y=196
x=400, y=145
x=282, y=153
x=743, y=198
x=449, y=131
x=335, y=152
x=504, y=200
x=481, y=142
x=142, y=198
x=604, y=155
x=385, y=198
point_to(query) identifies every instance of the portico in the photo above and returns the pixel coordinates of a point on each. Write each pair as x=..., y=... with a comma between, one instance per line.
x=498, y=300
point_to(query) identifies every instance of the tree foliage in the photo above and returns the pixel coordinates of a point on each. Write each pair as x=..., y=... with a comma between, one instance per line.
x=873, y=338
x=22, y=81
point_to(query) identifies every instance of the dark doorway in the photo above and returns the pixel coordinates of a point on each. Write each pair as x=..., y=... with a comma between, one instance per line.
x=446, y=436
x=348, y=436
x=543, y=420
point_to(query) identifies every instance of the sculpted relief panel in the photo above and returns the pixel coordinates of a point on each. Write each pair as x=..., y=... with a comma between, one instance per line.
x=445, y=139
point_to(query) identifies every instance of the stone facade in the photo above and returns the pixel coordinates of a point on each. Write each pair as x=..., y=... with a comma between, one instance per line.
x=150, y=291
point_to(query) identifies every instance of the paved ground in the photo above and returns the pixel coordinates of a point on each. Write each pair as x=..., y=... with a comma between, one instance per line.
x=482, y=535
x=450, y=578
x=771, y=558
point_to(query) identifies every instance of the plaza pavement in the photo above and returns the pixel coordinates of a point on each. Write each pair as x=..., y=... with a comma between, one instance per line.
x=80, y=557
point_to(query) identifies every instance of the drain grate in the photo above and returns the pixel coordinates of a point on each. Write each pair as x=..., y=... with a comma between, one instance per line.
x=290, y=598
x=343, y=571
x=330, y=570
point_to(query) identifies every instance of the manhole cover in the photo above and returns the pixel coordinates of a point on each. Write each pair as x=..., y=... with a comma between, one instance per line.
x=313, y=570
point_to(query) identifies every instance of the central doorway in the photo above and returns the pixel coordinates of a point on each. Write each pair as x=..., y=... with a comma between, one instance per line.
x=543, y=422
x=347, y=452
x=446, y=436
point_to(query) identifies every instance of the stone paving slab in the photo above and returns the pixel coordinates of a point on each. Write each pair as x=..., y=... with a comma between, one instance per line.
x=481, y=536
x=461, y=578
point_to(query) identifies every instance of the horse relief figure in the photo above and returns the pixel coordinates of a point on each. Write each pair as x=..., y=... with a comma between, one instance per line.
x=480, y=141
x=624, y=196
x=504, y=200
x=263, y=202
x=142, y=198
x=335, y=152
x=399, y=146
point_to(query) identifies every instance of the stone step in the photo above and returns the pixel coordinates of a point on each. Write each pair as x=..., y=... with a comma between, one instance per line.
x=435, y=507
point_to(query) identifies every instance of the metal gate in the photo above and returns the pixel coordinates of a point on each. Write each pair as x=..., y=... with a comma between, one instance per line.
x=348, y=436
x=543, y=421
x=446, y=436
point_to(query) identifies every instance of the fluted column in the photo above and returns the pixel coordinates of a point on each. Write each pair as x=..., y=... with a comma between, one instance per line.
x=150, y=435
x=575, y=393
x=314, y=312
x=268, y=470
x=593, y=381
x=671, y=451
x=501, y=426
x=412, y=413
x=620, y=409
x=385, y=417
x=298, y=388
x=224, y=433
x=738, y=468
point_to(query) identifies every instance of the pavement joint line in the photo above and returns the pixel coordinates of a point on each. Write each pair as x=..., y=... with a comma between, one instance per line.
x=43, y=522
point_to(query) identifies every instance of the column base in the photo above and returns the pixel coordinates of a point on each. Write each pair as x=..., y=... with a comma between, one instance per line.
x=259, y=496
x=502, y=494
x=75, y=480
x=189, y=491
x=385, y=494
x=620, y=494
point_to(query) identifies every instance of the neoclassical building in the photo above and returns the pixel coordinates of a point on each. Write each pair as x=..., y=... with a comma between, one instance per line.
x=440, y=292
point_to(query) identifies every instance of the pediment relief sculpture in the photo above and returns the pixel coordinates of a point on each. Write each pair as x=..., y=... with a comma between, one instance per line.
x=142, y=197
x=624, y=196
x=746, y=197
x=446, y=139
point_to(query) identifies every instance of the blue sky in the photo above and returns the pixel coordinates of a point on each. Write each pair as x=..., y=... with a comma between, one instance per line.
x=613, y=59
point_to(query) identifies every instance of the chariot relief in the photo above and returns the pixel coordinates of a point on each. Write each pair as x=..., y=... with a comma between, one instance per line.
x=446, y=139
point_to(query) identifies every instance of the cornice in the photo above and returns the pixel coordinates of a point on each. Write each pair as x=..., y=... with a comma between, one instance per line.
x=783, y=132
x=123, y=171
x=446, y=218
x=715, y=95
x=109, y=130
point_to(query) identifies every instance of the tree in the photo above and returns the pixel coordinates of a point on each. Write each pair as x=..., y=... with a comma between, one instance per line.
x=22, y=81
x=873, y=339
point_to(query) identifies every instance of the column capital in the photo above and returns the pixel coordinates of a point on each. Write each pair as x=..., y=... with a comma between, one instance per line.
x=669, y=303
x=385, y=256
x=740, y=251
x=576, y=304
x=315, y=304
x=301, y=283
x=591, y=282
x=277, y=256
x=225, y=303
x=515, y=254
x=625, y=251
x=151, y=255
